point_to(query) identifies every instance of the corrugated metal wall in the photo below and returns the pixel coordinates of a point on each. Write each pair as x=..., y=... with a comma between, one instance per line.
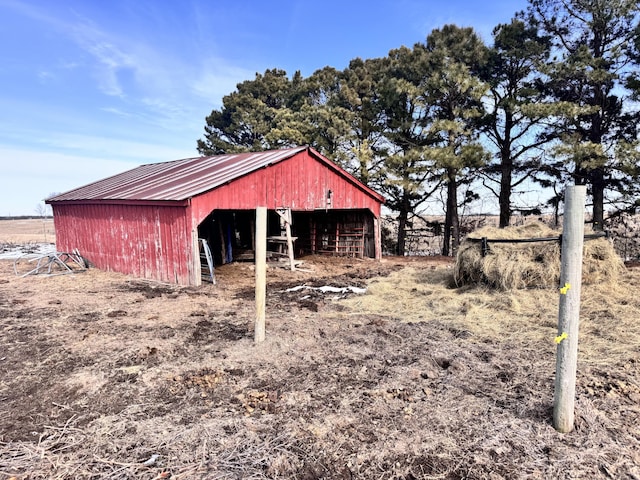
x=300, y=183
x=151, y=242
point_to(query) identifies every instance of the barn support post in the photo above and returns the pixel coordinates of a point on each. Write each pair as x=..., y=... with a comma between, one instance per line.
x=223, y=249
x=196, y=269
x=569, y=309
x=261, y=272
x=377, y=238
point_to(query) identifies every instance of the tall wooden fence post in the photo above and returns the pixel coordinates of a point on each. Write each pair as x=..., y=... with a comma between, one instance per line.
x=569, y=311
x=261, y=272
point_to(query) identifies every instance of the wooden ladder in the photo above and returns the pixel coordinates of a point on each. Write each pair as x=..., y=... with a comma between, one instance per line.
x=285, y=220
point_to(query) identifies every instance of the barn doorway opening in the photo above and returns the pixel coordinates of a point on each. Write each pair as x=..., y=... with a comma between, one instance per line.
x=231, y=233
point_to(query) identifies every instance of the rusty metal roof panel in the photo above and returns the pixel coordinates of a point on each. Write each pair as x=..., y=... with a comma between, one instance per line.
x=176, y=180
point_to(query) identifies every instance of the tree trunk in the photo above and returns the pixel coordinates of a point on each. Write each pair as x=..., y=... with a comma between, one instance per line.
x=596, y=176
x=403, y=215
x=447, y=236
x=506, y=169
x=451, y=220
x=504, y=198
x=597, y=192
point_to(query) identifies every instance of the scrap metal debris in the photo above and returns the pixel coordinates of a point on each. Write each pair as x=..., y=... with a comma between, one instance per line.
x=49, y=264
x=11, y=251
x=328, y=289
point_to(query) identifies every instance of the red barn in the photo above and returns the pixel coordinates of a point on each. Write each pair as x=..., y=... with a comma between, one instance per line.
x=147, y=222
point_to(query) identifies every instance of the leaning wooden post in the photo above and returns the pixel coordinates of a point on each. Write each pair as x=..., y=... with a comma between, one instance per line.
x=261, y=272
x=292, y=263
x=569, y=311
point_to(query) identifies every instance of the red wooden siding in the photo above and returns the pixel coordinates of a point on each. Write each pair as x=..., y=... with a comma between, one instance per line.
x=300, y=183
x=151, y=242
x=141, y=222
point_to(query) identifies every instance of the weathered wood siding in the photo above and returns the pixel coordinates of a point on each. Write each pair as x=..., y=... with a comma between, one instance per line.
x=152, y=242
x=300, y=183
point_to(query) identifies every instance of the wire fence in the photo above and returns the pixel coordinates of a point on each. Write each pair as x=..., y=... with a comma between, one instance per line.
x=558, y=239
x=425, y=236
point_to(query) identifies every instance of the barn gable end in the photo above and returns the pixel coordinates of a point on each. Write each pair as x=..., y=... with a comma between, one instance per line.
x=301, y=183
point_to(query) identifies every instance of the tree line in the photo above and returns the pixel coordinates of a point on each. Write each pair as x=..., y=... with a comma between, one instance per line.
x=552, y=100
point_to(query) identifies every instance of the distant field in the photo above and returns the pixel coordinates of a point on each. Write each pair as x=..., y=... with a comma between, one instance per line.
x=27, y=231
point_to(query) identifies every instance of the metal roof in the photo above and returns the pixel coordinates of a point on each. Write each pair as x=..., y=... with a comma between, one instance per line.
x=177, y=180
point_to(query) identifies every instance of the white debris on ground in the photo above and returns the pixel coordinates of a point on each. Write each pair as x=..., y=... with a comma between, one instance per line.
x=328, y=289
x=29, y=250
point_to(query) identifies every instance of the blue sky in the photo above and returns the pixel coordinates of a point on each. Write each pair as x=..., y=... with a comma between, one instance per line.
x=91, y=88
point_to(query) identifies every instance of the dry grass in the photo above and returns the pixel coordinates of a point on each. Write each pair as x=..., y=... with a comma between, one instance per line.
x=524, y=318
x=68, y=452
x=27, y=231
x=510, y=266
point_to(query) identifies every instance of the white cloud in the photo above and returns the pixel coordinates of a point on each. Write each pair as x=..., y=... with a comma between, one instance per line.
x=162, y=89
x=218, y=78
x=110, y=58
x=70, y=169
x=44, y=76
x=141, y=68
x=72, y=145
x=117, y=111
x=30, y=176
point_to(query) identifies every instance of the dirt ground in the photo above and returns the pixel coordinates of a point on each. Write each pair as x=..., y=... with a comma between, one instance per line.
x=107, y=376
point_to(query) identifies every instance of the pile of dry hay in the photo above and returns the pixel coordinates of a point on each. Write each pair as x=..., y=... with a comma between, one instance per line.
x=510, y=266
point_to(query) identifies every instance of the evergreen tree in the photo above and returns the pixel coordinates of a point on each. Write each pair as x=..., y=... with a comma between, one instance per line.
x=313, y=118
x=365, y=148
x=408, y=174
x=591, y=41
x=516, y=110
x=454, y=97
x=248, y=114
